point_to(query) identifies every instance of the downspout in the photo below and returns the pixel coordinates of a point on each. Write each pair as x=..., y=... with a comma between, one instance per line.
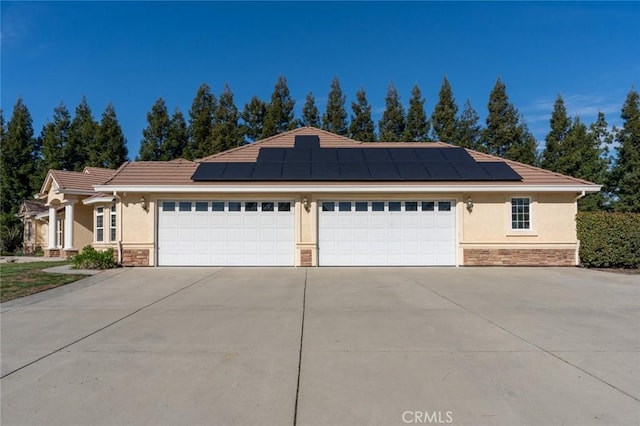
x=582, y=194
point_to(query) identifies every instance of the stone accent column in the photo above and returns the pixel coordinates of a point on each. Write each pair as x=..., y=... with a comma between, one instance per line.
x=68, y=225
x=52, y=227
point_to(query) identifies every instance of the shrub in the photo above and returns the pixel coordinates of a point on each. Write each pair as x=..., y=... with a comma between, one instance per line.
x=90, y=258
x=609, y=240
x=10, y=233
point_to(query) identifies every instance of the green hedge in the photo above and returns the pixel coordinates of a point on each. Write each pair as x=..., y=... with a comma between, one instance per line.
x=609, y=240
x=90, y=258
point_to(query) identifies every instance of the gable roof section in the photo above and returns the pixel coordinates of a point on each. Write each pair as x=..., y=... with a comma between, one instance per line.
x=31, y=208
x=179, y=172
x=76, y=182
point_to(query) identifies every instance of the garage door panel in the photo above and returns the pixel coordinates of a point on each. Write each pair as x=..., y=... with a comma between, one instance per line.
x=238, y=233
x=387, y=233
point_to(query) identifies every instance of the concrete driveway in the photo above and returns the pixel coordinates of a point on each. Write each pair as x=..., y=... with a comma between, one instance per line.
x=327, y=346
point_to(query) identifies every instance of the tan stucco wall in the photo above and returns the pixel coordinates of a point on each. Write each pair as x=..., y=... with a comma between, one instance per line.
x=488, y=225
x=83, y=225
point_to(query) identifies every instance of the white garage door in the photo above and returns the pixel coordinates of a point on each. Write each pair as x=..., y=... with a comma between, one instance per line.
x=233, y=233
x=381, y=233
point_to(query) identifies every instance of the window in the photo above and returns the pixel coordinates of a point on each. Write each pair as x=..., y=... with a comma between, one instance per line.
x=100, y=224
x=344, y=206
x=267, y=207
x=427, y=206
x=59, y=232
x=202, y=206
x=377, y=206
x=217, y=206
x=112, y=224
x=29, y=230
x=395, y=206
x=520, y=213
x=328, y=206
x=284, y=207
x=361, y=206
x=184, y=206
x=169, y=206
x=444, y=206
x=250, y=206
x=411, y=206
x=234, y=206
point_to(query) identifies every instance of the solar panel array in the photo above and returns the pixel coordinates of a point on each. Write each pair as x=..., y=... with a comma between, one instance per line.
x=308, y=162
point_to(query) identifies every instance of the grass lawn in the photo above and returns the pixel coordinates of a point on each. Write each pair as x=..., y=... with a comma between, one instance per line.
x=22, y=279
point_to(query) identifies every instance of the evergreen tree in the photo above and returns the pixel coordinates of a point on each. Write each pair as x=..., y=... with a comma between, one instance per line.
x=18, y=160
x=310, y=113
x=393, y=122
x=156, y=133
x=443, y=119
x=417, y=124
x=111, y=140
x=226, y=132
x=82, y=149
x=469, y=129
x=55, y=137
x=279, y=117
x=201, y=122
x=595, y=163
x=177, y=138
x=626, y=172
x=253, y=119
x=362, y=127
x=504, y=135
x=560, y=126
x=335, y=119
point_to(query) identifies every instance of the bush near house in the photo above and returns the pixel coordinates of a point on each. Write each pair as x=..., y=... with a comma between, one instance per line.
x=90, y=258
x=10, y=233
x=609, y=240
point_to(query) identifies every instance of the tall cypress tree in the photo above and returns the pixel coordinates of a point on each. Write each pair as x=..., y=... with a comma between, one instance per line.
x=469, y=129
x=226, y=132
x=111, y=139
x=253, y=119
x=156, y=133
x=417, y=124
x=55, y=137
x=82, y=148
x=362, y=127
x=279, y=117
x=177, y=138
x=625, y=176
x=393, y=122
x=18, y=160
x=201, y=122
x=504, y=135
x=554, y=142
x=335, y=119
x=310, y=113
x=443, y=119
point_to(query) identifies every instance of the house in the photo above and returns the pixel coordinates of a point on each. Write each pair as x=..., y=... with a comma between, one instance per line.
x=34, y=237
x=312, y=198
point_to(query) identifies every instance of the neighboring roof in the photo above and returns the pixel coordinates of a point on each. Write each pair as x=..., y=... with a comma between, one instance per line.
x=178, y=173
x=29, y=207
x=77, y=181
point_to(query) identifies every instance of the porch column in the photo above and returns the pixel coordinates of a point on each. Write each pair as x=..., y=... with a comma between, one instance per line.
x=68, y=225
x=52, y=227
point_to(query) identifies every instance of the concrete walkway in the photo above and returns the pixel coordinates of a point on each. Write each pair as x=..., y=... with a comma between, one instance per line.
x=327, y=346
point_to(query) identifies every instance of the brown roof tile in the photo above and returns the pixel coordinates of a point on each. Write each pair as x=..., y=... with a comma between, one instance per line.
x=81, y=181
x=154, y=173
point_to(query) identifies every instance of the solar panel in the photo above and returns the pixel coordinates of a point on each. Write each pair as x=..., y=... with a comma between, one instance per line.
x=324, y=155
x=401, y=155
x=267, y=171
x=470, y=170
x=297, y=155
x=442, y=171
x=354, y=170
x=306, y=141
x=296, y=171
x=430, y=154
x=500, y=171
x=413, y=171
x=457, y=154
x=238, y=171
x=351, y=155
x=209, y=171
x=383, y=171
x=325, y=171
x=377, y=155
x=271, y=154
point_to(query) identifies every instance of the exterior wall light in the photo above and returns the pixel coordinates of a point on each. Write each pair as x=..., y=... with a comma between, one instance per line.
x=469, y=204
x=305, y=204
x=143, y=203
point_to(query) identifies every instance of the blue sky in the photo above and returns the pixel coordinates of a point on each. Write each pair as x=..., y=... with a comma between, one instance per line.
x=131, y=53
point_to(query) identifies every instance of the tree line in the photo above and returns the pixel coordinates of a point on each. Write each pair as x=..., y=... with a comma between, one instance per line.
x=215, y=124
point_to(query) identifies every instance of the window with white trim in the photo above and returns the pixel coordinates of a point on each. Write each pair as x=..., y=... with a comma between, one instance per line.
x=112, y=223
x=59, y=232
x=521, y=213
x=100, y=224
x=29, y=230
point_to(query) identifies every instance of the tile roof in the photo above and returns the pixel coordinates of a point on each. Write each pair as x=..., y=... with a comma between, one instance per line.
x=81, y=181
x=30, y=207
x=179, y=172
